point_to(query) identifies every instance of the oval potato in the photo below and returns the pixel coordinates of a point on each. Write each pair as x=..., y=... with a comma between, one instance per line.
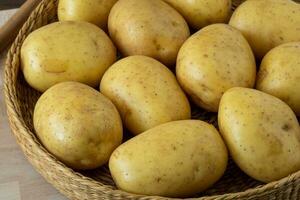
x=279, y=74
x=93, y=11
x=150, y=28
x=213, y=60
x=145, y=92
x=176, y=159
x=78, y=125
x=66, y=51
x=261, y=132
x=200, y=13
x=268, y=23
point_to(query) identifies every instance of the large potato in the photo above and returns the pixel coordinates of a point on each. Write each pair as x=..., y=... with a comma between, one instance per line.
x=279, y=74
x=76, y=123
x=150, y=28
x=145, y=92
x=200, y=13
x=93, y=11
x=262, y=133
x=213, y=60
x=176, y=159
x=66, y=51
x=268, y=23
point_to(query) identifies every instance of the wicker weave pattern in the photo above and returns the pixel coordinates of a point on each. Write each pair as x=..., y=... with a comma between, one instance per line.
x=97, y=184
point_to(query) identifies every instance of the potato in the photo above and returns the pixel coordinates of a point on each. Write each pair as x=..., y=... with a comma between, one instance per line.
x=145, y=92
x=78, y=125
x=176, y=159
x=93, y=11
x=150, y=28
x=66, y=51
x=201, y=13
x=261, y=132
x=213, y=60
x=267, y=24
x=279, y=74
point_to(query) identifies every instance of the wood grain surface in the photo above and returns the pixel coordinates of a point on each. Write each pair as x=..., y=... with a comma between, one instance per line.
x=18, y=179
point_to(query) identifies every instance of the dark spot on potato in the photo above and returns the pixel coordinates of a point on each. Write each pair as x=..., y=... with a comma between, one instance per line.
x=158, y=179
x=174, y=23
x=68, y=117
x=286, y=127
x=157, y=45
x=205, y=55
x=95, y=43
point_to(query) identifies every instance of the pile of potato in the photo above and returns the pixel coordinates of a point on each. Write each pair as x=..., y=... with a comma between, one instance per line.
x=130, y=49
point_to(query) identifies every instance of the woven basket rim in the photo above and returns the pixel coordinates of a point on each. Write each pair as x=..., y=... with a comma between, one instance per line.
x=18, y=126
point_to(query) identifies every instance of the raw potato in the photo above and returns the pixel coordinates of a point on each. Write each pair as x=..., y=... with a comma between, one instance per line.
x=200, y=13
x=78, y=125
x=176, y=159
x=213, y=60
x=279, y=74
x=66, y=51
x=150, y=28
x=145, y=92
x=261, y=132
x=93, y=11
x=268, y=23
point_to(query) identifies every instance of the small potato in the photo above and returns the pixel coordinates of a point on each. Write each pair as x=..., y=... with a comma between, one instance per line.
x=93, y=11
x=176, y=159
x=145, y=92
x=66, y=51
x=267, y=23
x=78, y=125
x=279, y=74
x=261, y=132
x=213, y=60
x=150, y=28
x=200, y=13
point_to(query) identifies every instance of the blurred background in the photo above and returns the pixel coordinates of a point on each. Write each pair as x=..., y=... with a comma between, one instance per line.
x=9, y=4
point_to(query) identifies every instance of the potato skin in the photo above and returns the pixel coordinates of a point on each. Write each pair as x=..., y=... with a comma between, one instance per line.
x=66, y=51
x=78, y=125
x=279, y=74
x=149, y=28
x=267, y=24
x=213, y=60
x=176, y=159
x=145, y=92
x=201, y=13
x=261, y=132
x=93, y=11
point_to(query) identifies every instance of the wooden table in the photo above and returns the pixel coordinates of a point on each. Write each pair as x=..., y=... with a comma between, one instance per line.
x=18, y=179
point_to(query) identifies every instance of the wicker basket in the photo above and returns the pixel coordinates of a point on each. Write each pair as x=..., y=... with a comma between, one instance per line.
x=98, y=184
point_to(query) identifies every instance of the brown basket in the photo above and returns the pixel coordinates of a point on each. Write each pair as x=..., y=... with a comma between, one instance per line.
x=98, y=184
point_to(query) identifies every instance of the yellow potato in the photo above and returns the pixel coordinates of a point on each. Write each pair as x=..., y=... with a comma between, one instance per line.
x=213, y=60
x=66, y=51
x=93, y=11
x=261, y=132
x=150, y=28
x=77, y=124
x=268, y=23
x=145, y=92
x=200, y=13
x=176, y=159
x=279, y=74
